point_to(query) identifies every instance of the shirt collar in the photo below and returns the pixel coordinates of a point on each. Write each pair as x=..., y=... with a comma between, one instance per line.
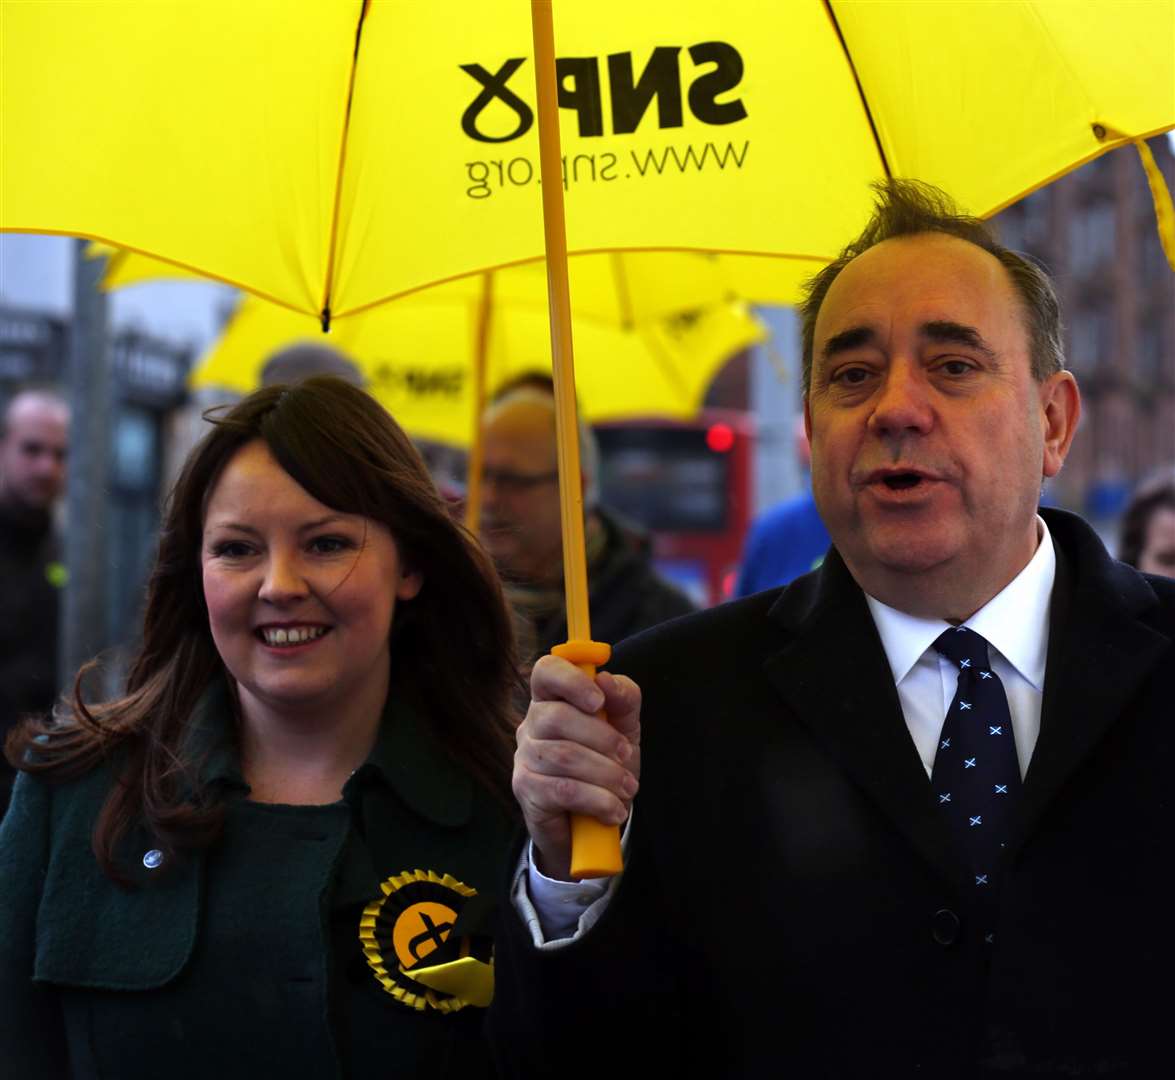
x=1015, y=621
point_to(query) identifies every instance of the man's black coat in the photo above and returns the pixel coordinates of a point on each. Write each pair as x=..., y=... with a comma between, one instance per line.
x=793, y=904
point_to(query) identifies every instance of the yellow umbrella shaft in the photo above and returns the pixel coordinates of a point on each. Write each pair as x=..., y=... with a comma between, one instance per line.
x=595, y=847
x=559, y=302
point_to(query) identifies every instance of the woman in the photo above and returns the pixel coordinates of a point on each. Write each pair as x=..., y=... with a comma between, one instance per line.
x=273, y=855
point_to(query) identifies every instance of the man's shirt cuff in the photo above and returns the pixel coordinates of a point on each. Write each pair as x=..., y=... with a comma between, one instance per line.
x=559, y=912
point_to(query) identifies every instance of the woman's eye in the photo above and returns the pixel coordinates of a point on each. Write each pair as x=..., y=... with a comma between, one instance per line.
x=329, y=545
x=231, y=549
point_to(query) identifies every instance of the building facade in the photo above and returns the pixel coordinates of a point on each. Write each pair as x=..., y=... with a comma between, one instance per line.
x=1095, y=231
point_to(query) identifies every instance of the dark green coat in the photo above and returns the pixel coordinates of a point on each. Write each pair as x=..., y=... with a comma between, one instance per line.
x=244, y=960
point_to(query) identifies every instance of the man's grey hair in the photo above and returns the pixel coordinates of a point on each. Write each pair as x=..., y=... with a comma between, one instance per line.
x=910, y=208
x=307, y=358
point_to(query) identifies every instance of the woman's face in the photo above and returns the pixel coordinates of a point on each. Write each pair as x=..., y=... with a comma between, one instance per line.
x=1158, y=547
x=300, y=596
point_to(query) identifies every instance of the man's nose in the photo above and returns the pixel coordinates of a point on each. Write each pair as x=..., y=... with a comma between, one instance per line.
x=49, y=464
x=284, y=580
x=491, y=492
x=903, y=404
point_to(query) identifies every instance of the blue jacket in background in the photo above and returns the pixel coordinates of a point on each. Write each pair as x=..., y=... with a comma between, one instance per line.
x=786, y=541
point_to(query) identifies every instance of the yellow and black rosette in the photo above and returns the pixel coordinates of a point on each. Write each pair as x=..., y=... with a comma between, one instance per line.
x=416, y=942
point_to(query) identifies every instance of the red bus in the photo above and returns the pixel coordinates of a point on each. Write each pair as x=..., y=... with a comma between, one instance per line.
x=690, y=485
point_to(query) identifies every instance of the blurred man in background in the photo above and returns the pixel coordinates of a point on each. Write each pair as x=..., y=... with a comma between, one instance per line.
x=520, y=528
x=305, y=359
x=34, y=437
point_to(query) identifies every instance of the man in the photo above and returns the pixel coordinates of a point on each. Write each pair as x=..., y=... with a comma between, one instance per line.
x=789, y=539
x=34, y=433
x=815, y=886
x=521, y=529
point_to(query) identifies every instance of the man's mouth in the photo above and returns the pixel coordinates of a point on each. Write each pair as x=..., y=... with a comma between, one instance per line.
x=902, y=481
x=898, y=480
x=287, y=636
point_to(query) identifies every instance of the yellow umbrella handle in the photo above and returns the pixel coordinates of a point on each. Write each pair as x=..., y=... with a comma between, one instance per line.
x=595, y=847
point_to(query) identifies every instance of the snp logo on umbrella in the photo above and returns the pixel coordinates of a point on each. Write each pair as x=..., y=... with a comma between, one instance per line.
x=700, y=81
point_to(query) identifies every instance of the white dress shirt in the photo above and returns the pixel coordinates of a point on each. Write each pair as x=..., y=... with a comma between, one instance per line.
x=1015, y=623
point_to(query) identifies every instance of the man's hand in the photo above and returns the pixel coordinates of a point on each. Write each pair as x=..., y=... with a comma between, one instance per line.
x=570, y=760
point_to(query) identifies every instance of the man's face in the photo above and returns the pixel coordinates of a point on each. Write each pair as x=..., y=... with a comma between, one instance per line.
x=520, y=516
x=930, y=437
x=33, y=452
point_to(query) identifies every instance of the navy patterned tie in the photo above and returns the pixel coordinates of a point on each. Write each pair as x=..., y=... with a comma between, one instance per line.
x=976, y=776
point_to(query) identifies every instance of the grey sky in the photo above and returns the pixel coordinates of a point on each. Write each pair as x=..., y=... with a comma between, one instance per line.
x=37, y=272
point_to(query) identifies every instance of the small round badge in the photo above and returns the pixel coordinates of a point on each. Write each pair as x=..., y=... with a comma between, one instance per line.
x=153, y=859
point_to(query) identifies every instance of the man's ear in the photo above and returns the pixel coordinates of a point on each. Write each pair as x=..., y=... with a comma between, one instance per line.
x=1060, y=405
x=808, y=419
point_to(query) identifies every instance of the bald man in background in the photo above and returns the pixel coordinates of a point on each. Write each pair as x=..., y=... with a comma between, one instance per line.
x=520, y=528
x=34, y=437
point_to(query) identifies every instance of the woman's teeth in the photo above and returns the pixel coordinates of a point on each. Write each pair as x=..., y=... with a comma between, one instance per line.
x=296, y=635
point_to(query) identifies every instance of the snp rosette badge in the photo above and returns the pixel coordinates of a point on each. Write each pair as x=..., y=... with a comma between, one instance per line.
x=408, y=939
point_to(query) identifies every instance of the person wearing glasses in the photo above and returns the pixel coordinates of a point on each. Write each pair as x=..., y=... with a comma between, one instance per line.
x=520, y=528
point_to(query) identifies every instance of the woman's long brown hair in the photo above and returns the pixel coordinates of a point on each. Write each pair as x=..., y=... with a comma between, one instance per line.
x=452, y=646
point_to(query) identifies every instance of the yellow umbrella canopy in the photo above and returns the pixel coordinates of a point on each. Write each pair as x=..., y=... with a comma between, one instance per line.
x=418, y=355
x=331, y=155
x=655, y=327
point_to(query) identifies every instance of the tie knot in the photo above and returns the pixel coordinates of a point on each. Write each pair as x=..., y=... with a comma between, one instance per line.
x=959, y=644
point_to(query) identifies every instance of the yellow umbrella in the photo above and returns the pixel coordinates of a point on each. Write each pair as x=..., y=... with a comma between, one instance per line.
x=329, y=155
x=654, y=326
x=313, y=158
x=419, y=355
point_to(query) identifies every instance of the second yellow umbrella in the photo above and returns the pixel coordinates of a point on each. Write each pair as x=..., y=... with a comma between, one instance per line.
x=419, y=355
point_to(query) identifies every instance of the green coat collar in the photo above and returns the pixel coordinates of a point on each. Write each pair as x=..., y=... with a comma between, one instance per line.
x=406, y=758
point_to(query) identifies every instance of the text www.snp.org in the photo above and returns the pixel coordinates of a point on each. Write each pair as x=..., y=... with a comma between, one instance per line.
x=486, y=177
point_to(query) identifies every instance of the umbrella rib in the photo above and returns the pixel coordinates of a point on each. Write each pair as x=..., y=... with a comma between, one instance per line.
x=860, y=89
x=334, y=217
x=620, y=279
x=669, y=369
x=820, y=260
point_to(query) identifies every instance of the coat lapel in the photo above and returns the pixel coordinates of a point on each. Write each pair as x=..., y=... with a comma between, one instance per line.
x=834, y=677
x=1099, y=654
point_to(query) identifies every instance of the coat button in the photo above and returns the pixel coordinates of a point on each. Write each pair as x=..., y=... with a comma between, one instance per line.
x=944, y=927
x=153, y=859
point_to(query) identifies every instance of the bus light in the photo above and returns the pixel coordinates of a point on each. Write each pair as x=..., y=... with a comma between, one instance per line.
x=720, y=438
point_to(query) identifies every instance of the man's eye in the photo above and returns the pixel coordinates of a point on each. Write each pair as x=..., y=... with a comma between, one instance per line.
x=956, y=367
x=851, y=376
